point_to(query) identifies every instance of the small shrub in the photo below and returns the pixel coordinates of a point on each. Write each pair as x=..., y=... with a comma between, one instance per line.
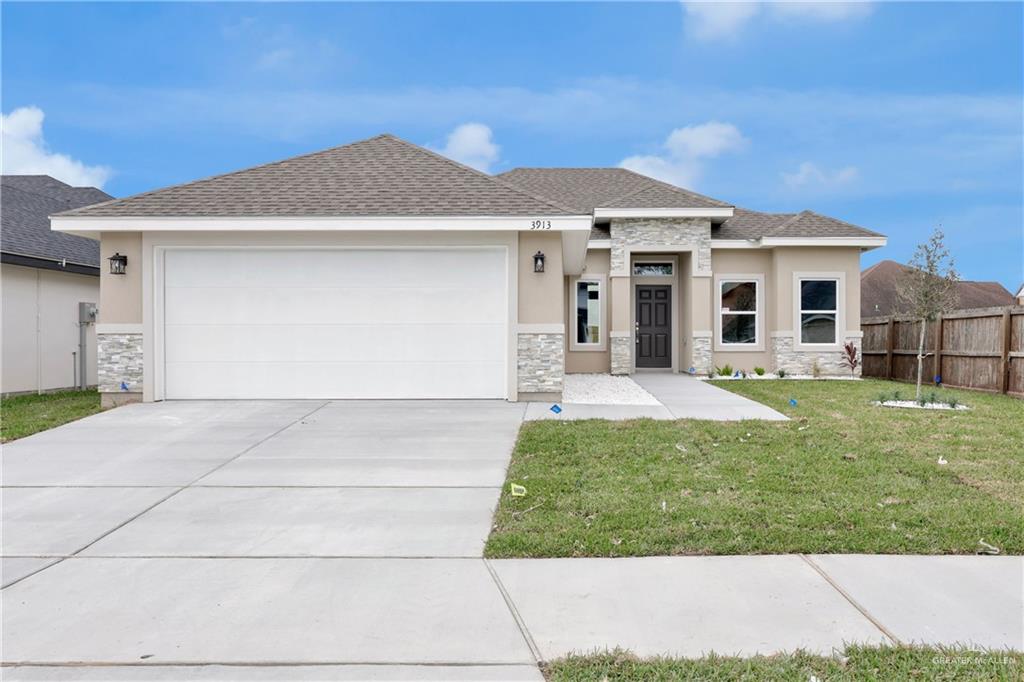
x=725, y=371
x=850, y=357
x=896, y=396
x=953, y=402
x=759, y=371
x=781, y=373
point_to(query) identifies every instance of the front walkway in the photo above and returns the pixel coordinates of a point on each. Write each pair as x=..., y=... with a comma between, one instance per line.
x=675, y=396
x=689, y=398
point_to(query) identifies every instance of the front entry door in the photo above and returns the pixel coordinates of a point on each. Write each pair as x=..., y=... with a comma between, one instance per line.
x=653, y=325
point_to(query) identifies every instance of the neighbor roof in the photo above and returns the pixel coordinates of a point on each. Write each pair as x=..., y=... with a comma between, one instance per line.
x=381, y=176
x=880, y=282
x=747, y=224
x=27, y=202
x=588, y=188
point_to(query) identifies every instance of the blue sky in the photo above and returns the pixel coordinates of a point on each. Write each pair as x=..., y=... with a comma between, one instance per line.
x=897, y=117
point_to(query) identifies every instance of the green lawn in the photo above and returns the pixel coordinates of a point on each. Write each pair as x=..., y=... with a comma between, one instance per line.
x=24, y=415
x=842, y=476
x=860, y=663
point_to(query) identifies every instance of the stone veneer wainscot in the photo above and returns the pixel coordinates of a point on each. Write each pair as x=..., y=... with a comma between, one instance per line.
x=540, y=361
x=830, y=362
x=119, y=360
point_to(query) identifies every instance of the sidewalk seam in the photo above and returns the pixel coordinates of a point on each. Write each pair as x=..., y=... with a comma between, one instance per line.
x=520, y=623
x=853, y=602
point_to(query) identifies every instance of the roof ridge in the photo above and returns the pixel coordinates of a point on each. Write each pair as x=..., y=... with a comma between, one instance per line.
x=491, y=178
x=37, y=194
x=234, y=172
x=671, y=187
x=786, y=223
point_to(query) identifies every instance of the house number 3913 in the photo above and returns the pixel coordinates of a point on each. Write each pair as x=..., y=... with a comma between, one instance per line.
x=540, y=225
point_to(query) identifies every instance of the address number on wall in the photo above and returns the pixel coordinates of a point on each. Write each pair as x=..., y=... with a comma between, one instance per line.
x=540, y=225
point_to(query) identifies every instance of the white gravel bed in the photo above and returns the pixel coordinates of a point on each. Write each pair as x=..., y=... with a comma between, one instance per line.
x=604, y=389
x=918, y=406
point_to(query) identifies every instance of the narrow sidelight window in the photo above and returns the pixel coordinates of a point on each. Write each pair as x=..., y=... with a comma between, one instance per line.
x=588, y=312
x=739, y=312
x=819, y=310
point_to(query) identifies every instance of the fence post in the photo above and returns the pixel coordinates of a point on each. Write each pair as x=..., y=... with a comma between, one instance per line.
x=938, y=347
x=889, y=331
x=1007, y=328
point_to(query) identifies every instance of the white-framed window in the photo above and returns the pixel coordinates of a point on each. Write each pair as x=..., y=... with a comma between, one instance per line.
x=818, y=310
x=587, y=312
x=739, y=306
x=652, y=268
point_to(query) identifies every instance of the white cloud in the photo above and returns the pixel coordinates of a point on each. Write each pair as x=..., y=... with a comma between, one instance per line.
x=24, y=152
x=809, y=176
x=716, y=21
x=472, y=144
x=685, y=150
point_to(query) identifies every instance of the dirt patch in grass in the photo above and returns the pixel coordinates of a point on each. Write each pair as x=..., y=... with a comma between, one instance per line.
x=868, y=481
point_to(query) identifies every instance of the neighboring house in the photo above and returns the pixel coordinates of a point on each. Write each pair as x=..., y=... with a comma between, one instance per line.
x=879, y=287
x=1020, y=295
x=45, y=275
x=380, y=269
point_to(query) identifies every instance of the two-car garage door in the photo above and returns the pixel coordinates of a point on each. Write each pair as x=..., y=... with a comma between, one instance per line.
x=335, y=323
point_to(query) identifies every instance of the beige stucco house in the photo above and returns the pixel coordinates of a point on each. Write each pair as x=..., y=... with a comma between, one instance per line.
x=380, y=269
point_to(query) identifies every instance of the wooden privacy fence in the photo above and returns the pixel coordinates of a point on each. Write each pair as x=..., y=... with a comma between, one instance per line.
x=981, y=349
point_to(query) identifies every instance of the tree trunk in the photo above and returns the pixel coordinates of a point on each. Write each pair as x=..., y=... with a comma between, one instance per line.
x=920, y=357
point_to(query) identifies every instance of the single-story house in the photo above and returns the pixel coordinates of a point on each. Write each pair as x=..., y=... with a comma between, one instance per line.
x=880, y=283
x=1020, y=295
x=380, y=269
x=44, y=276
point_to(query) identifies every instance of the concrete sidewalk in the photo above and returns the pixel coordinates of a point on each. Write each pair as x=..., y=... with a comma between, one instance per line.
x=282, y=619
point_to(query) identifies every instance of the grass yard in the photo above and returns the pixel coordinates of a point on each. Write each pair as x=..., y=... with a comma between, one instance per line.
x=861, y=663
x=24, y=415
x=844, y=476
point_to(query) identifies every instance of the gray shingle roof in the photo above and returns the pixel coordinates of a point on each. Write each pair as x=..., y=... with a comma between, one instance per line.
x=380, y=176
x=27, y=201
x=590, y=188
x=746, y=224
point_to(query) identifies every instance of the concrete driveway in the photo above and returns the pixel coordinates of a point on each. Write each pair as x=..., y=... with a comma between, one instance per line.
x=267, y=533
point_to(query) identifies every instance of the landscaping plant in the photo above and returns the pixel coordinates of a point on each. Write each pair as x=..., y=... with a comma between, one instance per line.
x=928, y=289
x=850, y=357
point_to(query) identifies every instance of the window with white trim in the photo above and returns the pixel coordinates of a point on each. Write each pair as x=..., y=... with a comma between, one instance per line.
x=588, y=316
x=738, y=312
x=818, y=310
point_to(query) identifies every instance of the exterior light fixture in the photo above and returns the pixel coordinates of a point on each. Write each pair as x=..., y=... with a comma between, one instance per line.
x=118, y=264
x=538, y=261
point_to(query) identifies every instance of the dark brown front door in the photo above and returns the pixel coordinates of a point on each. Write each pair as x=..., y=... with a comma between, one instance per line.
x=653, y=325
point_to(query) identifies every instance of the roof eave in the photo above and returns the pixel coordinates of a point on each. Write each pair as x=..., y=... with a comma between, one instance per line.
x=865, y=243
x=92, y=225
x=693, y=212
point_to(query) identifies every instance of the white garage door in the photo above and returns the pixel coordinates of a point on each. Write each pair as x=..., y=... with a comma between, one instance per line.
x=381, y=323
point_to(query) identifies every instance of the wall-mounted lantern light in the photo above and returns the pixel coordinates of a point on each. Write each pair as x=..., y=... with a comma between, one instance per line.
x=118, y=264
x=538, y=261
